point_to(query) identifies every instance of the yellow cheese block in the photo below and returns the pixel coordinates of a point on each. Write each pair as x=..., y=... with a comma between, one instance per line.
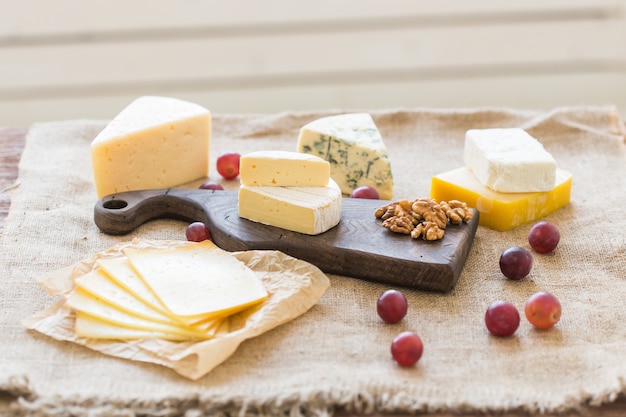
x=199, y=280
x=91, y=327
x=283, y=169
x=87, y=303
x=308, y=210
x=155, y=142
x=501, y=211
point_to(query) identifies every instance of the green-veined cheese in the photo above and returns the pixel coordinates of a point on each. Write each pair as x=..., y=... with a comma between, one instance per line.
x=354, y=147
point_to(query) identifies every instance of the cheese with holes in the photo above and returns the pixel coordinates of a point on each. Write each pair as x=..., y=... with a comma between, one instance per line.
x=308, y=210
x=509, y=160
x=198, y=280
x=155, y=142
x=283, y=169
x=354, y=147
x=501, y=211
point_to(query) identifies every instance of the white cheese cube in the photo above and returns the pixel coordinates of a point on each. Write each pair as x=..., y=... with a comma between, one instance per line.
x=509, y=160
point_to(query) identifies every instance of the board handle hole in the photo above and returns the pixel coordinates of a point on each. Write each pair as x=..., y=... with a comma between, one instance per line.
x=114, y=204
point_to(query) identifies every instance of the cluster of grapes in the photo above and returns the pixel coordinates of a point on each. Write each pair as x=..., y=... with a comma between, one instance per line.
x=542, y=309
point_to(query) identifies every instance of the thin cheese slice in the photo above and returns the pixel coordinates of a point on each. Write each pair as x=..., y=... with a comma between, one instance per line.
x=198, y=280
x=501, y=211
x=94, y=328
x=82, y=301
x=120, y=271
x=283, y=169
x=100, y=285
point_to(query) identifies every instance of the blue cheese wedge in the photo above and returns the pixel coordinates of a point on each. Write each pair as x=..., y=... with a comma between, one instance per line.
x=509, y=160
x=354, y=147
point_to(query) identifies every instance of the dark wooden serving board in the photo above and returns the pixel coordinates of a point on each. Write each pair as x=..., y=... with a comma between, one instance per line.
x=358, y=247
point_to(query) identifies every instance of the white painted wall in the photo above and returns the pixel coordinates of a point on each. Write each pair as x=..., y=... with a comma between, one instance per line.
x=71, y=59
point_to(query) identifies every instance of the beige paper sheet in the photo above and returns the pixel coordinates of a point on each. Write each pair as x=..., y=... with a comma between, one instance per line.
x=336, y=355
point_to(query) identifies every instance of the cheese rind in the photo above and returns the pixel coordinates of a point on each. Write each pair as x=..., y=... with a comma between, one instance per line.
x=509, y=160
x=308, y=210
x=283, y=169
x=501, y=211
x=354, y=147
x=155, y=142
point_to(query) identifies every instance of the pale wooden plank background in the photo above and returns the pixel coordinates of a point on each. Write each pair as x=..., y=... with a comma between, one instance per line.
x=72, y=59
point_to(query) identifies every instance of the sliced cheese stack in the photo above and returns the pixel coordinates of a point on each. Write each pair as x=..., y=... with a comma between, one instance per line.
x=184, y=293
x=155, y=142
x=289, y=190
x=508, y=177
x=354, y=147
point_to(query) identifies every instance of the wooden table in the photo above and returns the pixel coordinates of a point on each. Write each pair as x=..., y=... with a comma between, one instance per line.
x=12, y=142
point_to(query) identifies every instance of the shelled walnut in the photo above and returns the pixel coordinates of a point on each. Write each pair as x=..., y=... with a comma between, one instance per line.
x=423, y=217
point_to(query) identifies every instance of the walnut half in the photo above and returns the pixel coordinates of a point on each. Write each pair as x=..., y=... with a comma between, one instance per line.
x=423, y=217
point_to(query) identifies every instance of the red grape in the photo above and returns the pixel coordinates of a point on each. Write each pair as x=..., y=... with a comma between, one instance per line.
x=516, y=262
x=228, y=165
x=543, y=310
x=502, y=318
x=210, y=185
x=392, y=306
x=197, y=232
x=365, y=191
x=544, y=237
x=407, y=348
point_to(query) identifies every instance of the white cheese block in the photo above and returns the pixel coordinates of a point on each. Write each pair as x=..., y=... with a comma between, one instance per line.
x=308, y=210
x=283, y=169
x=509, y=160
x=199, y=280
x=353, y=146
x=155, y=142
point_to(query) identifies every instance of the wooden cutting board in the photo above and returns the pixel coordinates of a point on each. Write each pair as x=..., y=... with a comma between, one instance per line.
x=358, y=247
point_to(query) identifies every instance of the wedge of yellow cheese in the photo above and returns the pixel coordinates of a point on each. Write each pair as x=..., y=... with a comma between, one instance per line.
x=501, y=211
x=197, y=281
x=283, y=169
x=155, y=142
x=308, y=210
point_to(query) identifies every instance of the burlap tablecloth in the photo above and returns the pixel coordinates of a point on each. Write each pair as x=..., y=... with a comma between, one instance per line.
x=337, y=354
